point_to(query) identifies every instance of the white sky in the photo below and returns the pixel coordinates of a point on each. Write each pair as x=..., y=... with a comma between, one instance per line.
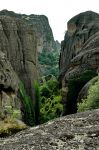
x=57, y=11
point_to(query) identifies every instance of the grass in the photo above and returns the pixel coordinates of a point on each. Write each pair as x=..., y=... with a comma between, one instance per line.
x=11, y=126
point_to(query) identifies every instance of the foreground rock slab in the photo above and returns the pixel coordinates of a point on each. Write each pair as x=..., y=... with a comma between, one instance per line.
x=73, y=132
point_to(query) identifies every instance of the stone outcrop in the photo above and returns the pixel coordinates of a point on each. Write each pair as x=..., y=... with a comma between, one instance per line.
x=77, y=132
x=8, y=88
x=79, y=51
x=40, y=24
x=19, y=43
x=44, y=35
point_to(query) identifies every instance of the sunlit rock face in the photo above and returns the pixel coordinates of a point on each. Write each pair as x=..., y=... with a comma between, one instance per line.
x=80, y=49
x=9, y=81
x=79, y=131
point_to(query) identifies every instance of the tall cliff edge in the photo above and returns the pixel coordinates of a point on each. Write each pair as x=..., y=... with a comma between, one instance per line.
x=79, y=56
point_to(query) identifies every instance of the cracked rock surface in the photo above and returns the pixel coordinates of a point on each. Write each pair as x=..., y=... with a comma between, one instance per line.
x=73, y=132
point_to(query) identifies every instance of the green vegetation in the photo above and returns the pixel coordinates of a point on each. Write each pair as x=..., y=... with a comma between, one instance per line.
x=49, y=62
x=50, y=102
x=12, y=112
x=92, y=100
x=28, y=109
x=10, y=126
x=74, y=86
x=37, y=103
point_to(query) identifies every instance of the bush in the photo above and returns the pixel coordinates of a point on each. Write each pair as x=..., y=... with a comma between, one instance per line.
x=16, y=114
x=92, y=100
x=50, y=100
x=45, y=91
x=51, y=109
x=53, y=85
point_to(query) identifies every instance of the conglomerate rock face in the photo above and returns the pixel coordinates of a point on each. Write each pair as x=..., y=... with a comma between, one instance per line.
x=77, y=132
x=79, y=50
x=18, y=42
x=8, y=87
x=40, y=24
x=80, y=45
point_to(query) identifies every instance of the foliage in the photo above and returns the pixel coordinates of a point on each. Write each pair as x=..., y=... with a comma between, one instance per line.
x=49, y=62
x=45, y=91
x=37, y=103
x=28, y=110
x=9, y=126
x=12, y=112
x=50, y=104
x=53, y=85
x=51, y=109
x=16, y=114
x=92, y=100
x=74, y=86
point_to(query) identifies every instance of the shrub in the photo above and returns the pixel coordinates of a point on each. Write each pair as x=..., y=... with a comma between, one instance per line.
x=16, y=114
x=51, y=109
x=45, y=91
x=92, y=100
x=53, y=85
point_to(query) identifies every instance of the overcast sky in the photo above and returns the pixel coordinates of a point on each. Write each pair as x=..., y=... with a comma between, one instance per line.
x=57, y=11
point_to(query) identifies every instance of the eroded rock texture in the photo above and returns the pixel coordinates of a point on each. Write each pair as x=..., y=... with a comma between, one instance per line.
x=18, y=42
x=79, y=54
x=77, y=132
x=44, y=36
x=8, y=88
x=40, y=24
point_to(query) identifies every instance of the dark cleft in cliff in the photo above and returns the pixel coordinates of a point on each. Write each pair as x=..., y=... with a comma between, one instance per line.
x=79, y=57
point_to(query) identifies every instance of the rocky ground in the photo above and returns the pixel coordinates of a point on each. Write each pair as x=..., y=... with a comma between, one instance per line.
x=73, y=132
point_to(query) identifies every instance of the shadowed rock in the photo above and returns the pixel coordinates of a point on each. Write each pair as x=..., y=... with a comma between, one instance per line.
x=79, y=51
x=8, y=88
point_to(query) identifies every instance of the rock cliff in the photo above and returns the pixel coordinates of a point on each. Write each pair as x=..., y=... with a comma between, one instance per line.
x=19, y=43
x=77, y=132
x=40, y=24
x=79, y=58
x=45, y=42
x=8, y=88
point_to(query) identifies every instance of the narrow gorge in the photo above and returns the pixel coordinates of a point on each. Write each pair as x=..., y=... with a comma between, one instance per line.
x=45, y=83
